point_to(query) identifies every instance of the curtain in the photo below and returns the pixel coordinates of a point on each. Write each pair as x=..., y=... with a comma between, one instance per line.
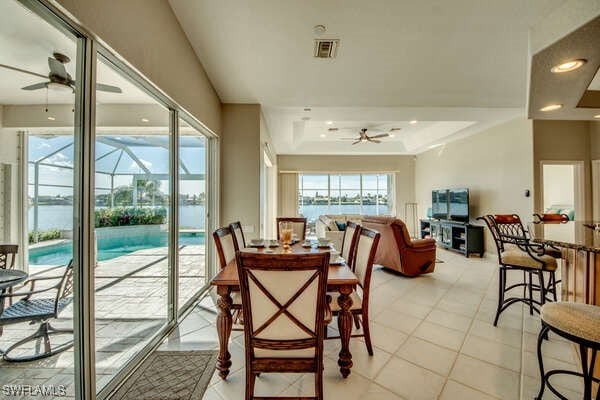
x=288, y=194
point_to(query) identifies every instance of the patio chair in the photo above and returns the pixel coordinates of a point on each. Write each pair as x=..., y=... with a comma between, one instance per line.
x=8, y=254
x=236, y=227
x=285, y=308
x=40, y=310
x=298, y=226
x=366, y=248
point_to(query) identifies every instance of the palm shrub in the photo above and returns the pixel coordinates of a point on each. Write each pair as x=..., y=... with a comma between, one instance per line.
x=124, y=216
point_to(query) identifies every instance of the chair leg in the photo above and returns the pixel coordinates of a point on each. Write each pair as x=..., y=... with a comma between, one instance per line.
x=319, y=383
x=367, y=333
x=543, y=333
x=356, y=321
x=530, y=287
x=44, y=332
x=542, y=288
x=501, y=286
x=553, y=282
x=250, y=380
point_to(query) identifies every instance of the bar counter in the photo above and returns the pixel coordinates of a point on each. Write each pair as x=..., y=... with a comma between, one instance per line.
x=580, y=268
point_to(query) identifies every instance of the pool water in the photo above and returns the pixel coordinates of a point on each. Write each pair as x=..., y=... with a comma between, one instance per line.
x=109, y=248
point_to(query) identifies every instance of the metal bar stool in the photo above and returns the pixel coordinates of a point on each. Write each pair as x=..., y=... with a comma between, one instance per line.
x=579, y=323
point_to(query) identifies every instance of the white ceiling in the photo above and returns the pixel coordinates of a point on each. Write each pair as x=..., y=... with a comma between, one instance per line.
x=26, y=42
x=459, y=66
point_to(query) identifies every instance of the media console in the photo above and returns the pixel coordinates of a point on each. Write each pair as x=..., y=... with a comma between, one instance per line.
x=453, y=235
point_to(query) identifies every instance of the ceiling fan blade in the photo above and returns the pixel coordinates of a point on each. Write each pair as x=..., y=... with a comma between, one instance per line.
x=57, y=68
x=358, y=141
x=374, y=140
x=23, y=71
x=35, y=86
x=380, y=135
x=347, y=138
x=108, y=88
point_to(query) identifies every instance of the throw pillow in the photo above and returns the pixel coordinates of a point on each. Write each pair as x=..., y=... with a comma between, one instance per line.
x=341, y=225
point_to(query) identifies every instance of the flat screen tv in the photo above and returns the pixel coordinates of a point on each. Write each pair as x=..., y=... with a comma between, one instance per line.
x=439, y=204
x=458, y=205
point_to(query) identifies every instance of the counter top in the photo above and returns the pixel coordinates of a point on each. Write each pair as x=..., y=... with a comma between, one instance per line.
x=576, y=235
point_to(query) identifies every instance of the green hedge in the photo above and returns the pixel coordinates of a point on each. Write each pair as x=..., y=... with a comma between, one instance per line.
x=124, y=216
x=45, y=235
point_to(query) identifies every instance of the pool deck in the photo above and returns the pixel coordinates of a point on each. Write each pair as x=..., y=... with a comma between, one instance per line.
x=131, y=297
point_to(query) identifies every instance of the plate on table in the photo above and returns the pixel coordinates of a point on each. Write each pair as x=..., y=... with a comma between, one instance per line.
x=307, y=245
x=258, y=245
x=324, y=246
x=273, y=243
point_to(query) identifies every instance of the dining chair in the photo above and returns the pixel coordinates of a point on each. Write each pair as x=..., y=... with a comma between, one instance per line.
x=8, y=254
x=517, y=253
x=298, y=226
x=236, y=227
x=284, y=303
x=227, y=246
x=366, y=248
x=349, y=242
x=556, y=218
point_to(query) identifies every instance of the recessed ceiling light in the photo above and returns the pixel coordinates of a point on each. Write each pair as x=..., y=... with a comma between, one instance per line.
x=305, y=118
x=551, y=107
x=568, y=66
x=322, y=135
x=145, y=120
x=329, y=122
x=414, y=121
x=597, y=116
x=392, y=135
x=307, y=109
x=319, y=29
x=51, y=119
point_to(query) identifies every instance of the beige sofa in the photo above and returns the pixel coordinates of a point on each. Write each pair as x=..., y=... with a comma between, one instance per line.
x=327, y=228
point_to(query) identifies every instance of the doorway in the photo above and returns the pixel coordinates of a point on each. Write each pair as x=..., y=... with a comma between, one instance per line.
x=562, y=188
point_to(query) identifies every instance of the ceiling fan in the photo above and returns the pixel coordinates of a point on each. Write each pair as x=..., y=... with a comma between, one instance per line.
x=363, y=137
x=58, y=77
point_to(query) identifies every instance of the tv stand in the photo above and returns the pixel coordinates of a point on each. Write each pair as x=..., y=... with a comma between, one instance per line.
x=461, y=237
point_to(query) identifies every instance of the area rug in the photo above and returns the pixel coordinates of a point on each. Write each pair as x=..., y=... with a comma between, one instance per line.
x=170, y=375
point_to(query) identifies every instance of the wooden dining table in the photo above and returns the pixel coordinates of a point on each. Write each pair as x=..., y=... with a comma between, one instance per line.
x=340, y=278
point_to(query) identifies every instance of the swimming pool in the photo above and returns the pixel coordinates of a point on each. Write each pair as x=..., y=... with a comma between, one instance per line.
x=110, y=247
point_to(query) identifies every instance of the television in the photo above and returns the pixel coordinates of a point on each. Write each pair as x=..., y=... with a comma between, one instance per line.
x=458, y=205
x=439, y=204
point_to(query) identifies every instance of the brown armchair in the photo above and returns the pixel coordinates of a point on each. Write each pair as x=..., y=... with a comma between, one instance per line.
x=396, y=249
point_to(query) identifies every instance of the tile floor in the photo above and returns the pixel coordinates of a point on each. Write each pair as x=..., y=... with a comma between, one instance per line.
x=433, y=338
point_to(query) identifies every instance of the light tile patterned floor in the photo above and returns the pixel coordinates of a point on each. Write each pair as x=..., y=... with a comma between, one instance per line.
x=433, y=338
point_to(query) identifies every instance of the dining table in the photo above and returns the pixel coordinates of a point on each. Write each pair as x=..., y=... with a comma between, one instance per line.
x=8, y=279
x=340, y=279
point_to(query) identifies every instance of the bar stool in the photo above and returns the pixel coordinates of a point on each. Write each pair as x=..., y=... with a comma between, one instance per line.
x=579, y=323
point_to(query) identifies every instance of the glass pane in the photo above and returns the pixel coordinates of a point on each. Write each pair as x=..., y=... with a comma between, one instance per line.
x=350, y=202
x=315, y=182
x=369, y=182
x=132, y=221
x=192, y=212
x=350, y=182
x=43, y=238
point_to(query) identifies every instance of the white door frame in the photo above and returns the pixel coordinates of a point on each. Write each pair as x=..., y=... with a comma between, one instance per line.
x=596, y=190
x=579, y=196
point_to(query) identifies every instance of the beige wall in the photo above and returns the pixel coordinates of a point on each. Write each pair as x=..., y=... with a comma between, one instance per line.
x=147, y=35
x=402, y=166
x=562, y=141
x=495, y=165
x=240, y=166
x=595, y=140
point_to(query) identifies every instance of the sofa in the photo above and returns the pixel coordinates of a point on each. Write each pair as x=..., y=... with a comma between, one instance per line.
x=326, y=227
x=397, y=251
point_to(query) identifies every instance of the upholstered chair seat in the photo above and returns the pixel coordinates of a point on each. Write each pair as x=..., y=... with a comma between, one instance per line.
x=523, y=259
x=580, y=324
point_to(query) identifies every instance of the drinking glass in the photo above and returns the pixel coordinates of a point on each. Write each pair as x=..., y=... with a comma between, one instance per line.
x=285, y=234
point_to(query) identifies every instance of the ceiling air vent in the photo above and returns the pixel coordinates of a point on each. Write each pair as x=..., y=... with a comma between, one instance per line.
x=326, y=48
